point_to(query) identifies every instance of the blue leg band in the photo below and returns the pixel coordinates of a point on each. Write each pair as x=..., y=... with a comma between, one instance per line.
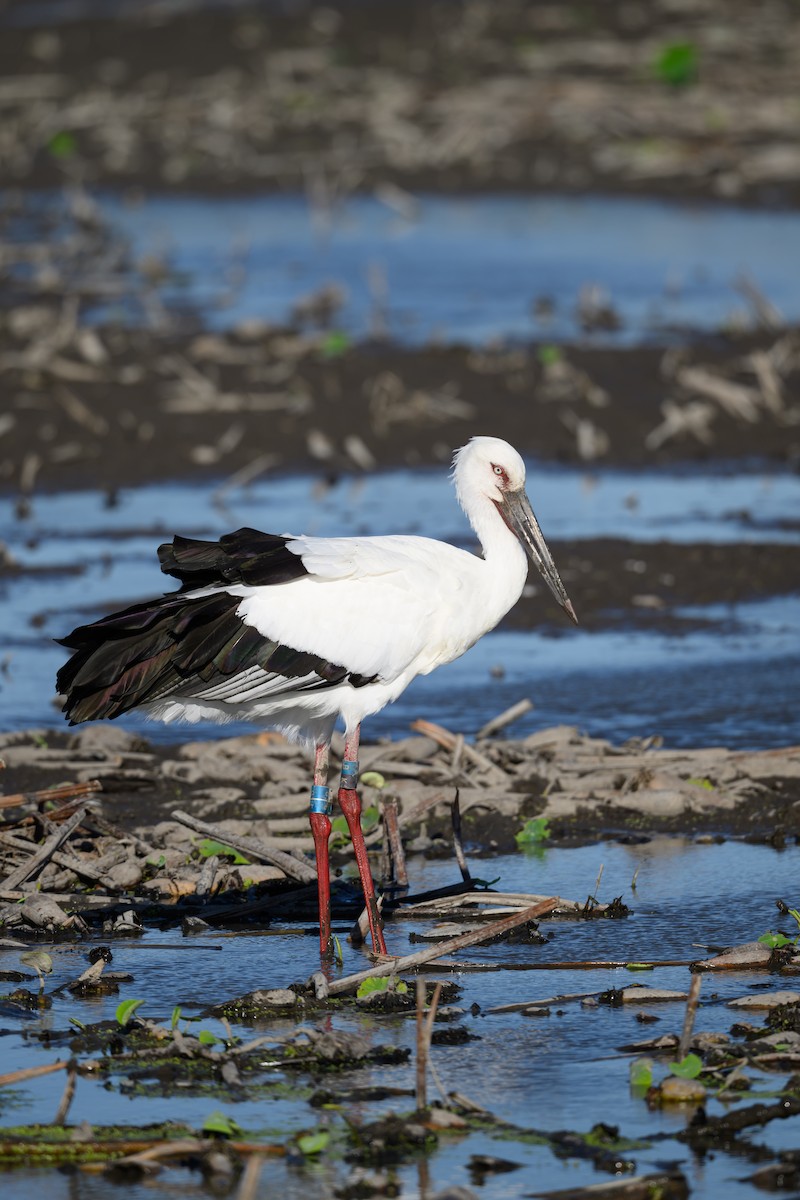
x=320, y=800
x=349, y=774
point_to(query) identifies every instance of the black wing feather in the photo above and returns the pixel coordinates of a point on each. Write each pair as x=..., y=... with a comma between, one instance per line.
x=178, y=643
x=245, y=556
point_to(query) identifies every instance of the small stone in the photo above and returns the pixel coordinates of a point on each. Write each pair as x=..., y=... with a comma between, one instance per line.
x=657, y=803
x=275, y=997
x=637, y=995
x=219, y=795
x=749, y=954
x=191, y=925
x=163, y=885
x=765, y=1000
x=169, y=833
x=682, y=1091
x=787, y=1037
x=442, y=1118
x=218, y=1164
x=185, y=772
x=125, y=875
x=105, y=739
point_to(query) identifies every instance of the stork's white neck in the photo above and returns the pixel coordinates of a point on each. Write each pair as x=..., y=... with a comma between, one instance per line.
x=506, y=561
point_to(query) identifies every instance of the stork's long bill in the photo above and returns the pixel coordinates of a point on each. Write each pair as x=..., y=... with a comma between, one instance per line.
x=515, y=509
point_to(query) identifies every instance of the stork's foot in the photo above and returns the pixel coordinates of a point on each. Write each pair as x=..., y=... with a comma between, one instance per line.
x=350, y=804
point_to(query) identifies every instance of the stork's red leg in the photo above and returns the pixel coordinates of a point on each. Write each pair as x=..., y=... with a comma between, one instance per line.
x=350, y=805
x=319, y=819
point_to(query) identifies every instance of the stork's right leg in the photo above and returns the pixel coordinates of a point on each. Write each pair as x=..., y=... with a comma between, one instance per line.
x=319, y=818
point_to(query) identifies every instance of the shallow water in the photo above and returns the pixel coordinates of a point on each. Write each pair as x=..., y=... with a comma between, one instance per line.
x=468, y=269
x=688, y=897
x=697, y=687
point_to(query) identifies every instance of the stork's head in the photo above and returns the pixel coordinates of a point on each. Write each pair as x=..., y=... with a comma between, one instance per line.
x=488, y=468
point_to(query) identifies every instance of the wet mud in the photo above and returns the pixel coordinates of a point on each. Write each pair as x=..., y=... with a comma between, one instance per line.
x=119, y=408
x=255, y=787
x=695, y=101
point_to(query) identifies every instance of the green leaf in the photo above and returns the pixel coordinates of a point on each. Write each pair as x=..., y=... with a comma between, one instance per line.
x=313, y=1143
x=534, y=832
x=373, y=779
x=688, y=1068
x=638, y=966
x=340, y=834
x=208, y=848
x=206, y=1038
x=217, y=1122
x=549, y=355
x=176, y=1016
x=703, y=783
x=126, y=1009
x=381, y=983
x=377, y=983
x=335, y=343
x=78, y=1024
x=676, y=64
x=641, y=1073
x=62, y=144
x=369, y=819
x=776, y=940
x=337, y=951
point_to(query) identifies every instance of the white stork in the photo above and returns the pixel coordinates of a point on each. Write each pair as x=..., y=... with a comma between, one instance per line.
x=295, y=632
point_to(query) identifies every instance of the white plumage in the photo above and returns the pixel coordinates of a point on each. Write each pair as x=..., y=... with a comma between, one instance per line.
x=296, y=631
x=393, y=607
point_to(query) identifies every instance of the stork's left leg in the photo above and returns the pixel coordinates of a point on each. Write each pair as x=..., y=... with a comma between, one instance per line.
x=320, y=821
x=350, y=805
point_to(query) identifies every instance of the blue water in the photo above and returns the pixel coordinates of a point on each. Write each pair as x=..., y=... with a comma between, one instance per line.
x=727, y=674
x=688, y=896
x=467, y=269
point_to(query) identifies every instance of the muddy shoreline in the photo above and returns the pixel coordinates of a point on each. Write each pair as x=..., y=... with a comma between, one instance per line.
x=586, y=788
x=118, y=407
x=602, y=97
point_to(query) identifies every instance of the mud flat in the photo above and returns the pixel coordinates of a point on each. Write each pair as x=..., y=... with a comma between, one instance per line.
x=255, y=787
x=695, y=100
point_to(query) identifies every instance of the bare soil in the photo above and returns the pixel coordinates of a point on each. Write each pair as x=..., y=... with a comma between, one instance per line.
x=133, y=407
x=687, y=99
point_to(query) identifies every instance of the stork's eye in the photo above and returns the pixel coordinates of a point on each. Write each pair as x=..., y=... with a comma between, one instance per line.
x=499, y=471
